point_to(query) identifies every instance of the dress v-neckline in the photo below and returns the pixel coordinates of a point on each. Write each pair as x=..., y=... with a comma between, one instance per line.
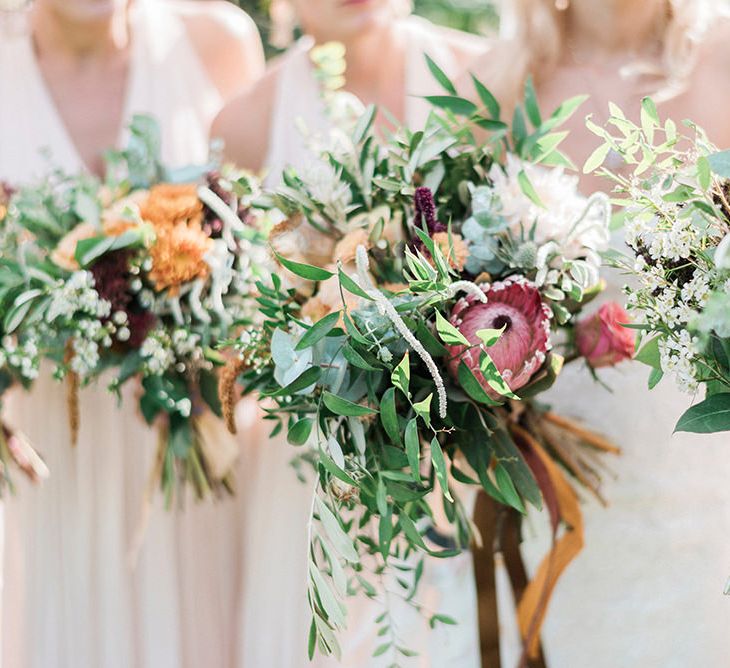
x=55, y=117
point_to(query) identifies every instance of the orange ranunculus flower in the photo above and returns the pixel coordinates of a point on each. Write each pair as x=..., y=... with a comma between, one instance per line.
x=115, y=219
x=178, y=256
x=168, y=204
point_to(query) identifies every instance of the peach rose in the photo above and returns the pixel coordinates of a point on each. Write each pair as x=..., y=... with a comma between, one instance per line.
x=63, y=255
x=347, y=246
x=453, y=247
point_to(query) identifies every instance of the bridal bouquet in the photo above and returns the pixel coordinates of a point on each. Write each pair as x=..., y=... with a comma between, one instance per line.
x=430, y=286
x=676, y=212
x=137, y=278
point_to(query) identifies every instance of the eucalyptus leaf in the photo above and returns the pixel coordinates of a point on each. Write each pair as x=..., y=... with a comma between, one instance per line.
x=318, y=330
x=453, y=103
x=340, y=406
x=709, y=416
x=389, y=416
x=299, y=432
x=439, y=465
x=306, y=271
x=413, y=450
x=341, y=542
x=488, y=100
x=440, y=76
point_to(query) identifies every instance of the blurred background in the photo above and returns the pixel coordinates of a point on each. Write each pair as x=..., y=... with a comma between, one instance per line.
x=478, y=16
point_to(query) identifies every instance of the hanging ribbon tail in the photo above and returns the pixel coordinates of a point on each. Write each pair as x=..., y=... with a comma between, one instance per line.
x=532, y=607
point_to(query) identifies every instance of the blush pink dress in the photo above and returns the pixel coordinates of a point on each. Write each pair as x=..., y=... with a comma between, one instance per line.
x=71, y=598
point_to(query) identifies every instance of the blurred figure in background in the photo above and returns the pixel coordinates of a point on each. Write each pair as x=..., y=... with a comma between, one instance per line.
x=647, y=588
x=385, y=49
x=72, y=74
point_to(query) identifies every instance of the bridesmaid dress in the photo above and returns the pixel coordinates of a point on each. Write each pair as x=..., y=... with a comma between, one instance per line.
x=275, y=617
x=71, y=598
x=647, y=589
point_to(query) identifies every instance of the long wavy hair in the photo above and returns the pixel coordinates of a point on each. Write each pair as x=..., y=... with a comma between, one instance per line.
x=539, y=30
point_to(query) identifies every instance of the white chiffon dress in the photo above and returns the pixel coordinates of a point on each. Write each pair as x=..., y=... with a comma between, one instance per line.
x=70, y=597
x=647, y=589
x=275, y=619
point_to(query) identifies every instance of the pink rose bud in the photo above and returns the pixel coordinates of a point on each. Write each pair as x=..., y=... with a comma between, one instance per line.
x=515, y=305
x=602, y=339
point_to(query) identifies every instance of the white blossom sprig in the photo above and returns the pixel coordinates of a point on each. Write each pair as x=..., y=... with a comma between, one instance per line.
x=387, y=309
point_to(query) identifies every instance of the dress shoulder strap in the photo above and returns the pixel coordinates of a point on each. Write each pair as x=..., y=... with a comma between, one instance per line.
x=298, y=110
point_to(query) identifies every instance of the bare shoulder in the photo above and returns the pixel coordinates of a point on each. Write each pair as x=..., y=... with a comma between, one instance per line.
x=244, y=123
x=227, y=41
x=714, y=49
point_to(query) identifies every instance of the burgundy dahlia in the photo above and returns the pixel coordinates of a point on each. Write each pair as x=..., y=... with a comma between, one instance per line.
x=111, y=279
x=515, y=305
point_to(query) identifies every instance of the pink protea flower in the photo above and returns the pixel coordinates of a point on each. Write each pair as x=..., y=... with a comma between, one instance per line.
x=514, y=304
x=602, y=339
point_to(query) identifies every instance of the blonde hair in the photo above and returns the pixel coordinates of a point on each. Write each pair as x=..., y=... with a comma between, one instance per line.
x=538, y=27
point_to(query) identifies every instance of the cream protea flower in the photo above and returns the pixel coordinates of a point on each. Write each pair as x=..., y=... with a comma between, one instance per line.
x=515, y=305
x=564, y=206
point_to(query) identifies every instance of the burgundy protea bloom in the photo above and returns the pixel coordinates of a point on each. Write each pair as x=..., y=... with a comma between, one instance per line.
x=515, y=305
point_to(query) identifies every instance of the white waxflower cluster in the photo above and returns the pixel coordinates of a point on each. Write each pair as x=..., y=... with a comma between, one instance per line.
x=23, y=357
x=157, y=352
x=678, y=284
x=160, y=351
x=85, y=356
x=676, y=356
x=185, y=343
x=251, y=346
x=77, y=295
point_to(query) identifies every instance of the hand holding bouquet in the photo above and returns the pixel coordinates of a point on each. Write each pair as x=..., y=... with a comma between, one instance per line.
x=430, y=286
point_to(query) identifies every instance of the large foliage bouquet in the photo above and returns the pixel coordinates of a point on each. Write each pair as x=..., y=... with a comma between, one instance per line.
x=676, y=210
x=133, y=279
x=430, y=287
